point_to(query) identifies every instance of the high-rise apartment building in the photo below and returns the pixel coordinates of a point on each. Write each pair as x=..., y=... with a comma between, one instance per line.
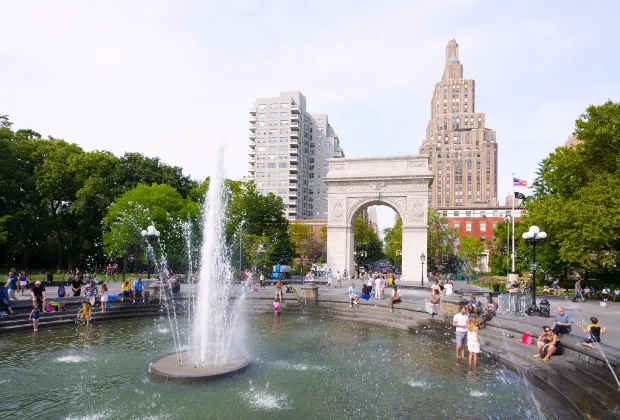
x=463, y=152
x=289, y=149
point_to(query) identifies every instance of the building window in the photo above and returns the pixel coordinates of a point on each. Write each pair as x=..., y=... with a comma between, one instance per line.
x=483, y=226
x=262, y=116
x=457, y=225
x=468, y=227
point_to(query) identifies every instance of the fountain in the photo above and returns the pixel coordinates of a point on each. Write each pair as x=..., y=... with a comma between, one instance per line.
x=216, y=344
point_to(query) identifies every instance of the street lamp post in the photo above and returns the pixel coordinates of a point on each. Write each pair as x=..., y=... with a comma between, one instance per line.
x=149, y=234
x=534, y=237
x=422, y=260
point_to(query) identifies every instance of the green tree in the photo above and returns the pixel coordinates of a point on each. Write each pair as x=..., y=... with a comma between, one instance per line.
x=393, y=239
x=469, y=250
x=367, y=243
x=577, y=201
x=159, y=205
x=301, y=237
x=440, y=239
x=260, y=221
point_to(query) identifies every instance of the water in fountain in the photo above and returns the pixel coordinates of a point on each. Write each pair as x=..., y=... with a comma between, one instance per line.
x=215, y=320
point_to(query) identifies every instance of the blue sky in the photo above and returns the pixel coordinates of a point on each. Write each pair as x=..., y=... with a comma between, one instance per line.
x=174, y=79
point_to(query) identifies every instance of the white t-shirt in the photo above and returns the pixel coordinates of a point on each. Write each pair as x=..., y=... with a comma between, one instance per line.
x=461, y=320
x=395, y=293
x=378, y=283
x=338, y=276
x=448, y=288
x=369, y=282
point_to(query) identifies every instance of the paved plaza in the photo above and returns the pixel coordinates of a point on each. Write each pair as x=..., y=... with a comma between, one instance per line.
x=417, y=296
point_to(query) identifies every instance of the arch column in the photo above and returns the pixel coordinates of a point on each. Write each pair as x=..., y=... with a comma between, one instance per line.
x=414, y=244
x=340, y=248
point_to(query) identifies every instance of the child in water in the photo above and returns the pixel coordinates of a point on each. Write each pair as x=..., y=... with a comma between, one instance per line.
x=84, y=313
x=276, y=307
x=473, y=341
x=34, y=317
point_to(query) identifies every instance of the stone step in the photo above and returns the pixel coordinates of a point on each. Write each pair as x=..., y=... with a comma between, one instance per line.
x=598, y=376
x=560, y=380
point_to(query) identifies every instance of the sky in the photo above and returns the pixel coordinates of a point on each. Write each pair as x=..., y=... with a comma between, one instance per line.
x=176, y=79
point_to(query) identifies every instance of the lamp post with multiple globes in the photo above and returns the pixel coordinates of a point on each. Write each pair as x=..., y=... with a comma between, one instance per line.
x=534, y=236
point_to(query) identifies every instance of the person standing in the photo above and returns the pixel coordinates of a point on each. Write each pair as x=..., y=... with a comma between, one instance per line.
x=339, y=279
x=345, y=274
x=104, y=298
x=329, y=278
x=39, y=297
x=261, y=280
x=377, y=287
x=473, y=341
x=460, y=321
x=556, y=287
x=578, y=291
x=34, y=317
x=23, y=281
x=279, y=290
x=11, y=284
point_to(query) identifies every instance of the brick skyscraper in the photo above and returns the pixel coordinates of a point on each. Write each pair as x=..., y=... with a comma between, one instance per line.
x=463, y=152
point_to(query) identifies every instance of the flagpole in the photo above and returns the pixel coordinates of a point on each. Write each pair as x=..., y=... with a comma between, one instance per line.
x=512, y=216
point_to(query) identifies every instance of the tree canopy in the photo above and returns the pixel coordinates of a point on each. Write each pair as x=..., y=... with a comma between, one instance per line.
x=577, y=199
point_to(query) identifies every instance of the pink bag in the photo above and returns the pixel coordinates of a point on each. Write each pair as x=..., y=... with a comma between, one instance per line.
x=49, y=308
x=527, y=339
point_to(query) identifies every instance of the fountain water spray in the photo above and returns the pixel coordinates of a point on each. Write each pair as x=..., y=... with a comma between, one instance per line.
x=214, y=320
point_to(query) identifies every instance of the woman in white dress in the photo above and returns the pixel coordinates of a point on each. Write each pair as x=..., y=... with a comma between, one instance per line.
x=449, y=288
x=473, y=341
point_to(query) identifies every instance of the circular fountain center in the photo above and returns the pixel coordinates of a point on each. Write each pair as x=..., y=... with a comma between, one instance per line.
x=168, y=369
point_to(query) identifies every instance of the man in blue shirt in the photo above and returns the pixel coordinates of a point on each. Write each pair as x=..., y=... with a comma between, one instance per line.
x=11, y=284
x=563, y=322
x=138, y=288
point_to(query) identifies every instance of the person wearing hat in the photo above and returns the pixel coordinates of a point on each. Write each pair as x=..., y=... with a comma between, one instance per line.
x=39, y=297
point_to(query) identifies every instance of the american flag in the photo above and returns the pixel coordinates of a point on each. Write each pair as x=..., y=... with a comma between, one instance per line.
x=519, y=182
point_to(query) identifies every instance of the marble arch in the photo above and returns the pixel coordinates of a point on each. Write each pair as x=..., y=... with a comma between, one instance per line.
x=400, y=182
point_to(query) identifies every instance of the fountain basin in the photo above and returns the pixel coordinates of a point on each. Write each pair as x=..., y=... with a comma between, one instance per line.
x=167, y=369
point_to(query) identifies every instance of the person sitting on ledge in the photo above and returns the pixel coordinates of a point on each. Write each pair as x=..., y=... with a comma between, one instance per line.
x=473, y=306
x=61, y=290
x=125, y=290
x=395, y=298
x=549, y=344
x=352, y=295
x=365, y=293
x=137, y=288
x=563, y=322
x=431, y=306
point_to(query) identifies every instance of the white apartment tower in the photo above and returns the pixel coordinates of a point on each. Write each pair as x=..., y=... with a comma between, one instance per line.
x=289, y=149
